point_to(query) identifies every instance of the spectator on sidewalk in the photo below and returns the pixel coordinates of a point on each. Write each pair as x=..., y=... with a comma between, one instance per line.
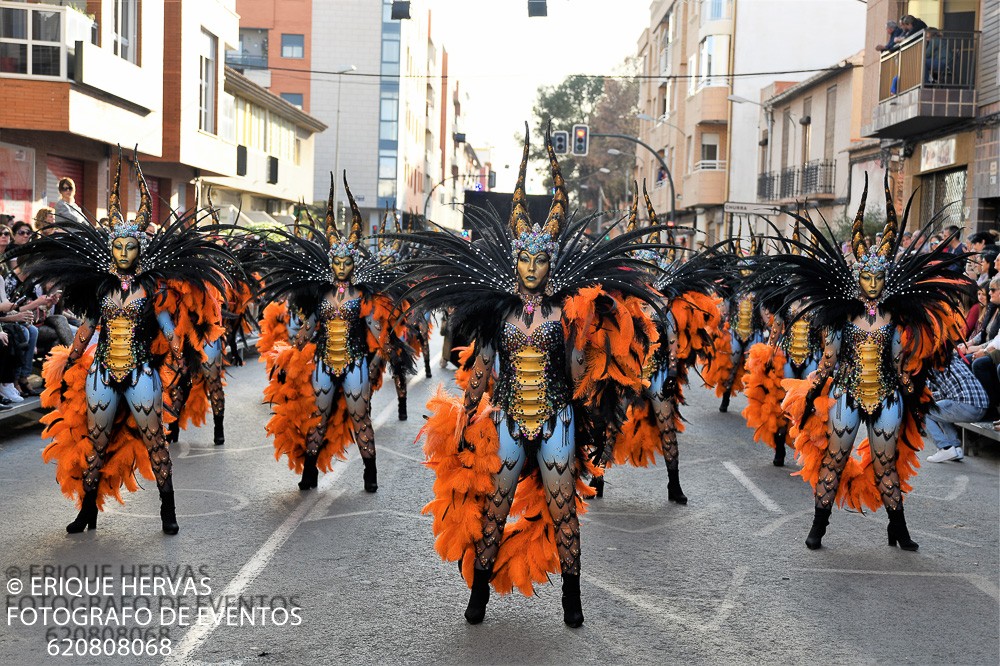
x=958, y=397
x=66, y=207
x=44, y=219
x=893, y=34
x=979, y=241
x=986, y=355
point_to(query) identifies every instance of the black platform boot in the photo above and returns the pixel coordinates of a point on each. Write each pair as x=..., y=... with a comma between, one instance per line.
x=820, y=520
x=476, y=610
x=168, y=513
x=402, y=408
x=572, y=607
x=371, y=475
x=173, y=433
x=220, y=431
x=310, y=474
x=87, y=518
x=724, y=407
x=597, y=483
x=779, y=447
x=898, y=532
x=427, y=363
x=674, y=492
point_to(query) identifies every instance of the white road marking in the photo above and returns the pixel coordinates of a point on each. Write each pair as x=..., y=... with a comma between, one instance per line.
x=200, y=632
x=773, y=526
x=961, y=483
x=729, y=601
x=979, y=582
x=745, y=481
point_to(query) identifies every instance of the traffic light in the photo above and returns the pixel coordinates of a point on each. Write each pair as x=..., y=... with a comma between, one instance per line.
x=491, y=179
x=560, y=142
x=581, y=140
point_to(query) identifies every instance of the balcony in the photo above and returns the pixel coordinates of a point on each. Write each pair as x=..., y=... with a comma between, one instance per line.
x=710, y=165
x=813, y=179
x=241, y=61
x=929, y=82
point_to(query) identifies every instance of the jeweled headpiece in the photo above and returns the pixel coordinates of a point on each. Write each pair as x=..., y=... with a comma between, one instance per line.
x=873, y=260
x=117, y=225
x=529, y=237
x=389, y=250
x=662, y=260
x=340, y=246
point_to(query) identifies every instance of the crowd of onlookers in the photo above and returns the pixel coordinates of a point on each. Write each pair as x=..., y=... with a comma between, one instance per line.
x=937, y=53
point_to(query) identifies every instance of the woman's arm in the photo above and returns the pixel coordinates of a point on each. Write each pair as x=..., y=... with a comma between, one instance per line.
x=479, y=378
x=80, y=340
x=300, y=329
x=167, y=326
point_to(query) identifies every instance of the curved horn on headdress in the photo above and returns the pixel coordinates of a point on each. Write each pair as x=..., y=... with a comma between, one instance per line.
x=381, y=242
x=755, y=247
x=858, y=244
x=332, y=233
x=738, y=246
x=115, y=215
x=796, y=238
x=145, y=213
x=520, y=221
x=356, y=231
x=560, y=201
x=397, y=244
x=298, y=214
x=212, y=210
x=633, y=210
x=891, y=223
x=655, y=236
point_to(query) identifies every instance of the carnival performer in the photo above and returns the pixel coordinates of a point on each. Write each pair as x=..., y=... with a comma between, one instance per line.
x=743, y=321
x=793, y=351
x=687, y=319
x=532, y=298
x=340, y=327
x=889, y=319
x=115, y=276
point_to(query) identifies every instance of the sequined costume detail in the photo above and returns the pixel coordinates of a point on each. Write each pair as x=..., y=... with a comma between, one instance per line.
x=120, y=350
x=342, y=336
x=532, y=384
x=864, y=371
x=745, y=318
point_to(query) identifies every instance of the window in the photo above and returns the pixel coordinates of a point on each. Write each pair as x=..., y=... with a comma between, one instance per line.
x=126, y=30
x=786, y=132
x=715, y=10
x=38, y=51
x=293, y=46
x=943, y=193
x=209, y=67
x=252, y=51
x=387, y=164
x=830, y=121
x=388, y=115
x=296, y=99
x=709, y=147
x=713, y=53
x=690, y=154
x=692, y=73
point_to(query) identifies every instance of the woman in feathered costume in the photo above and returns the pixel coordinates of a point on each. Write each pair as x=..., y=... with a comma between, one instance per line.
x=792, y=351
x=688, y=321
x=533, y=299
x=115, y=277
x=889, y=319
x=340, y=328
x=744, y=325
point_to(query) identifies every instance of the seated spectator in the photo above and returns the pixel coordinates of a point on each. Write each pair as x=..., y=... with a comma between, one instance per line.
x=986, y=355
x=44, y=219
x=893, y=33
x=7, y=364
x=958, y=397
x=985, y=264
x=21, y=334
x=975, y=319
x=983, y=239
x=66, y=207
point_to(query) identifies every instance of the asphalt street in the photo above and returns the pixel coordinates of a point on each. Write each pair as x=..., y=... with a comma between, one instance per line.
x=725, y=579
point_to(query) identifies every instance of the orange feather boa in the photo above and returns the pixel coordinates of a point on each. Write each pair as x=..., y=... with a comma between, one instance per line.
x=765, y=368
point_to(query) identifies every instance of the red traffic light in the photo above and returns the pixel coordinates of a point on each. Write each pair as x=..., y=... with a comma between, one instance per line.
x=581, y=139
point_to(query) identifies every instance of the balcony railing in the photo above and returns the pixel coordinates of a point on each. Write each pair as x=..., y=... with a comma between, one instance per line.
x=238, y=60
x=817, y=178
x=933, y=59
x=767, y=186
x=789, y=185
x=38, y=40
x=710, y=165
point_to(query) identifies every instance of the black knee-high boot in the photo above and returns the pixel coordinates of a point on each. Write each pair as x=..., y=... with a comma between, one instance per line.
x=220, y=432
x=820, y=520
x=371, y=475
x=168, y=513
x=427, y=362
x=87, y=518
x=476, y=610
x=779, y=447
x=310, y=474
x=674, y=492
x=897, y=530
x=724, y=407
x=572, y=606
x=597, y=483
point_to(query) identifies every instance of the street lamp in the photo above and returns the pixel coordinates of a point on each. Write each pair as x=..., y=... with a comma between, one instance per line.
x=659, y=157
x=336, y=155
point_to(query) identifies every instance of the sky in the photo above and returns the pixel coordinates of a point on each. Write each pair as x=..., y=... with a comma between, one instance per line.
x=501, y=57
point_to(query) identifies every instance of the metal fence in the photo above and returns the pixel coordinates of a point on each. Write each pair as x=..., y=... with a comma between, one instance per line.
x=931, y=59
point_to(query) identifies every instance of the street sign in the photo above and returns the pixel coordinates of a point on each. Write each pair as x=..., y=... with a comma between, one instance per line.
x=749, y=208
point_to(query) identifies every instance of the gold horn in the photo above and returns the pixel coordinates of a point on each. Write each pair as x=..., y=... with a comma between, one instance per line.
x=858, y=244
x=357, y=225
x=560, y=201
x=796, y=238
x=212, y=210
x=144, y=214
x=891, y=228
x=332, y=233
x=520, y=221
x=115, y=215
x=655, y=236
x=633, y=211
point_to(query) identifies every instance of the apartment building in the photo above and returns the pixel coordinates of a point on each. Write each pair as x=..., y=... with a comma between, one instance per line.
x=704, y=65
x=932, y=109
x=153, y=78
x=812, y=128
